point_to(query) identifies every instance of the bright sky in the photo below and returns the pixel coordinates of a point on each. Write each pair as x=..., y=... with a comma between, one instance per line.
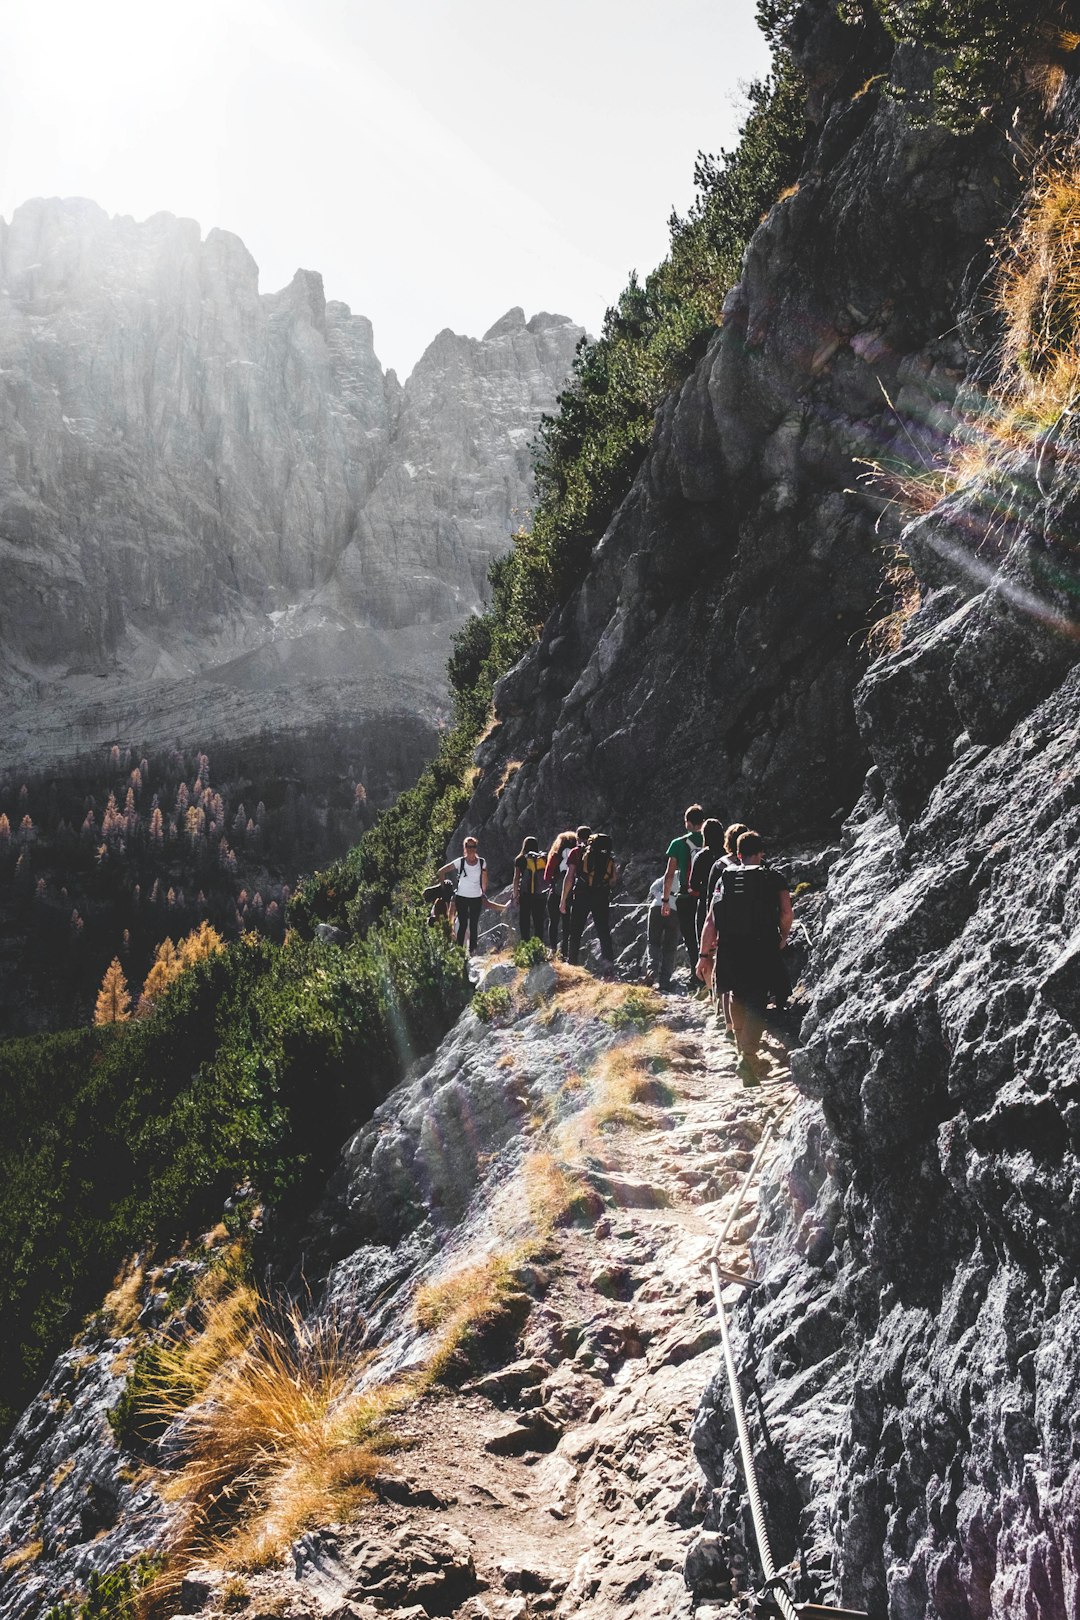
x=438, y=160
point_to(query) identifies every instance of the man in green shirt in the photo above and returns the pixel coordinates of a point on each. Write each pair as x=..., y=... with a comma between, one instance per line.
x=680, y=852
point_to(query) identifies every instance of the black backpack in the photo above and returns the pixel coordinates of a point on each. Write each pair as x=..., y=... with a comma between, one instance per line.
x=745, y=905
x=700, y=866
x=598, y=863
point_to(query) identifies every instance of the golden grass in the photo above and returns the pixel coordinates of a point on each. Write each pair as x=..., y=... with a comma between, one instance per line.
x=123, y=1302
x=1037, y=293
x=557, y=1195
x=468, y=1303
x=22, y=1556
x=901, y=582
x=281, y=1440
x=509, y=771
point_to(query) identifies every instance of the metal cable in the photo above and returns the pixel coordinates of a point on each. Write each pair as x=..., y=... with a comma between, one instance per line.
x=757, y=1512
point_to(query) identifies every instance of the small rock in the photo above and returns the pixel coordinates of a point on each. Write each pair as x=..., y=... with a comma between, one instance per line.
x=537, y=1431
x=198, y=1587
x=614, y=1281
x=507, y=1383
x=327, y=934
x=706, y=1570
x=541, y=981
x=518, y=1577
x=407, y=1493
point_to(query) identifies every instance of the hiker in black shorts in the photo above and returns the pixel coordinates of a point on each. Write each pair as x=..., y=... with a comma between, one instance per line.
x=587, y=893
x=728, y=858
x=679, y=855
x=746, y=929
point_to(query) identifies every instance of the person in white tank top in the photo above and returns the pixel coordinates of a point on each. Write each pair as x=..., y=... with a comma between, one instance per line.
x=470, y=881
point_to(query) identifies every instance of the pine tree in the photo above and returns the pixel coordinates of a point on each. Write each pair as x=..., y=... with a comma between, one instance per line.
x=113, y=1003
x=164, y=969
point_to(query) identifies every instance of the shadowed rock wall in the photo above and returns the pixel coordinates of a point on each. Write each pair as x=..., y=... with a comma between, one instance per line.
x=713, y=648
x=915, y=1339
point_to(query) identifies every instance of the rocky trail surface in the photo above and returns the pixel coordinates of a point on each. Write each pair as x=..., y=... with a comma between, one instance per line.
x=549, y=1468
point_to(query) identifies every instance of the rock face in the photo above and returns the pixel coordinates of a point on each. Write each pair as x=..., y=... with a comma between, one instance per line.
x=205, y=491
x=712, y=650
x=915, y=1338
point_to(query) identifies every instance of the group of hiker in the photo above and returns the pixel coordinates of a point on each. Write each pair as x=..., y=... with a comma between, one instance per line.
x=734, y=915
x=731, y=910
x=556, y=891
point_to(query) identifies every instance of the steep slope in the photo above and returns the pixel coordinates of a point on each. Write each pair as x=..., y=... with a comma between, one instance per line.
x=713, y=648
x=187, y=472
x=558, y=1169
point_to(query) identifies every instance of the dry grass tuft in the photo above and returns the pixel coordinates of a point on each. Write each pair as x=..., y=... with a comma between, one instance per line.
x=123, y=1302
x=902, y=585
x=558, y=1196
x=628, y=1079
x=28, y=1554
x=281, y=1440
x=473, y=1304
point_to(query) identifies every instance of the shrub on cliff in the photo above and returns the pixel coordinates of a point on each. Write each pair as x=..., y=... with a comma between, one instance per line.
x=255, y=1064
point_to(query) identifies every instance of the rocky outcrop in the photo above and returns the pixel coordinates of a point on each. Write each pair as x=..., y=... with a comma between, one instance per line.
x=206, y=491
x=713, y=648
x=914, y=1340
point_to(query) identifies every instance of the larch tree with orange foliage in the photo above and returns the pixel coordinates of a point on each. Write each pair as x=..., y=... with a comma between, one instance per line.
x=113, y=1004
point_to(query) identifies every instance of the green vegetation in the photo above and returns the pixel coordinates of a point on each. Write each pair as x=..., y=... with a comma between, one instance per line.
x=530, y=952
x=586, y=459
x=493, y=1004
x=109, y=1597
x=255, y=1064
x=983, y=44
x=637, y=1011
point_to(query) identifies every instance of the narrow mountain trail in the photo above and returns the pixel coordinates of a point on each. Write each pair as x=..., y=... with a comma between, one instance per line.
x=563, y=1482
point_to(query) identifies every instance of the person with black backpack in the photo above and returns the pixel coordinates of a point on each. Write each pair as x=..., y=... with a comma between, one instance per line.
x=746, y=929
x=565, y=852
x=587, y=893
x=529, y=893
x=701, y=865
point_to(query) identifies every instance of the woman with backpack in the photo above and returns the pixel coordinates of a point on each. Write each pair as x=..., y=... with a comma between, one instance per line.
x=559, y=861
x=469, y=875
x=587, y=893
x=529, y=893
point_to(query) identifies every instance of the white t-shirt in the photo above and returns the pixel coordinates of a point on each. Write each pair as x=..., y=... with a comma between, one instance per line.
x=468, y=878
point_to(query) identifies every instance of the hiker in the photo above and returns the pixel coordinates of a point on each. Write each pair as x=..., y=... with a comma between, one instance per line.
x=746, y=929
x=440, y=898
x=679, y=854
x=470, y=890
x=727, y=858
x=701, y=866
x=567, y=848
x=529, y=893
x=662, y=937
x=554, y=874
x=587, y=893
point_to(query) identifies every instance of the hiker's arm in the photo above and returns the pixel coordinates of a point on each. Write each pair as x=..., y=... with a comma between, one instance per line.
x=708, y=951
x=786, y=917
x=567, y=886
x=483, y=880
x=445, y=871
x=669, y=878
x=517, y=885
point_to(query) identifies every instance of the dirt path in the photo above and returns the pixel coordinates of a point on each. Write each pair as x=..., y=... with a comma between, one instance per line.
x=564, y=1483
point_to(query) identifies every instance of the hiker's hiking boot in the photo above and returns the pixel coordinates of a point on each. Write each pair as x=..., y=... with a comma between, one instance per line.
x=747, y=1071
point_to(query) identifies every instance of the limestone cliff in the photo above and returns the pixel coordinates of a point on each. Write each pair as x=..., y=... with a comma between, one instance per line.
x=206, y=492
